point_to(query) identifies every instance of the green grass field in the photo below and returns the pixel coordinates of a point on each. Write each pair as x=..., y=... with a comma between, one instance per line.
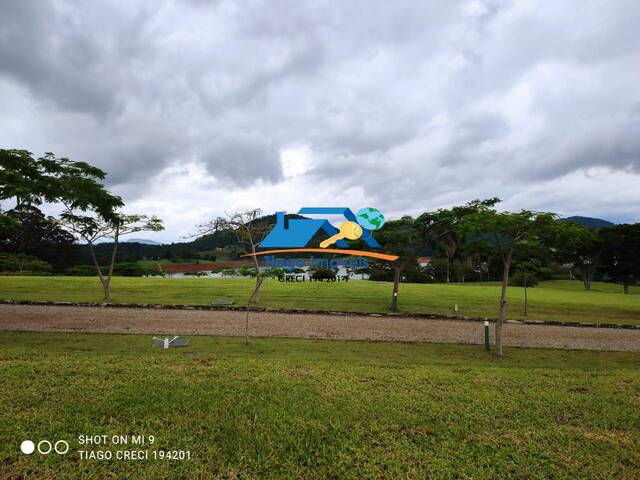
x=319, y=409
x=560, y=300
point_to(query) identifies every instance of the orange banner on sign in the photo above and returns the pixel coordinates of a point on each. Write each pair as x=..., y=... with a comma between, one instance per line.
x=360, y=253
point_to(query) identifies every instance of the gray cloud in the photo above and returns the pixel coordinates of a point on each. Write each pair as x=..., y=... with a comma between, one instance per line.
x=416, y=104
x=242, y=158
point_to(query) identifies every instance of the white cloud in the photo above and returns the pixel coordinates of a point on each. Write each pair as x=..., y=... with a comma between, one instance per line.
x=194, y=108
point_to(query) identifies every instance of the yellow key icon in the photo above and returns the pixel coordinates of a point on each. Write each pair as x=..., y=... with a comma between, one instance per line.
x=348, y=230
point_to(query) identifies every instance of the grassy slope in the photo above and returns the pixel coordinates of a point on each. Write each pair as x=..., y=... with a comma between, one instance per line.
x=557, y=300
x=318, y=409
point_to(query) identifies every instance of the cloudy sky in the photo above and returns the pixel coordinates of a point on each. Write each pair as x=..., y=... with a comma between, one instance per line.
x=197, y=107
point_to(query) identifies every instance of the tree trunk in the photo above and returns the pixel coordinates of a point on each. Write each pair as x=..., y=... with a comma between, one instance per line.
x=107, y=285
x=256, y=297
x=503, y=300
x=396, y=286
x=525, y=294
x=103, y=280
x=106, y=288
x=248, y=309
x=625, y=286
x=448, y=270
x=587, y=275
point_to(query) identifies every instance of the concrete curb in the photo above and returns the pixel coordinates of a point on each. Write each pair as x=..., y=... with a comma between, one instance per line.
x=315, y=312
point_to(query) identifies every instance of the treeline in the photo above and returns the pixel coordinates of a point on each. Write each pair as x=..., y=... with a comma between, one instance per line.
x=39, y=244
x=475, y=243
x=33, y=234
x=607, y=255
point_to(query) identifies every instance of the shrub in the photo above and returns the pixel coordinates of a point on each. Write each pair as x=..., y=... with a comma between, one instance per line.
x=273, y=273
x=323, y=274
x=26, y=273
x=21, y=263
x=517, y=280
x=246, y=271
x=120, y=269
x=196, y=274
x=81, y=271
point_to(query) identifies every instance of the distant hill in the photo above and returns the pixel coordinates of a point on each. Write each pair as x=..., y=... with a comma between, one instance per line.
x=202, y=247
x=590, y=222
x=144, y=241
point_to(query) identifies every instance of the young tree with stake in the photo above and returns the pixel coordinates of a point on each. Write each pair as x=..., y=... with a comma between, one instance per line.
x=508, y=231
x=249, y=228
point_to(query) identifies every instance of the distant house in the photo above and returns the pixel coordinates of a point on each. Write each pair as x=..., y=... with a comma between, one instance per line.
x=296, y=232
x=423, y=261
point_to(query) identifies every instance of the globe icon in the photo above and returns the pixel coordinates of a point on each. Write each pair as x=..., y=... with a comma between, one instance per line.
x=370, y=218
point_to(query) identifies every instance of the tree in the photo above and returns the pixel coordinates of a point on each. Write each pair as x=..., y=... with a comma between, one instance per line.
x=527, y=260
x=35, y=234
x=580, y=246
x=443, y=227
x=92, y=228
x=249, y=228
x=620, y=254
x=49, y=179
x=403, y=238
x=478, y=251
x=508, y=230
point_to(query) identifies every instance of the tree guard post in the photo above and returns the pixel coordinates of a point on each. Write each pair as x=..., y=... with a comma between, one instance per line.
x=486, y=335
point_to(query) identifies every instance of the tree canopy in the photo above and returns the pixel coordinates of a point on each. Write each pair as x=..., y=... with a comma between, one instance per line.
x=31, y=181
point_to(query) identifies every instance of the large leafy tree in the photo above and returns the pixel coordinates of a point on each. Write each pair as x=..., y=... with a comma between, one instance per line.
x=508, y=230
x=403, y=238
x=30, y=181
x=92, y=228
x=620, y=254
x=442, y=228
x=580, y=247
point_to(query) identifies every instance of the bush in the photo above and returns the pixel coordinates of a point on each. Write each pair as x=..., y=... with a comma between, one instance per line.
x=323, y=274
x=196, y=274
x=26, y=273
x=120, y=269
x=518, y=280
x=273, y=273
x=81, y=271
x=246, y=271
x=23, y=263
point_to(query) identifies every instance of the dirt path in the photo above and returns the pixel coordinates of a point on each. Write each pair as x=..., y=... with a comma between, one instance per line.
x=268, y=324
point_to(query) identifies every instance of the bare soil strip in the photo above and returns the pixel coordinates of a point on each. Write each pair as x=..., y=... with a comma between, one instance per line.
x=335, y=327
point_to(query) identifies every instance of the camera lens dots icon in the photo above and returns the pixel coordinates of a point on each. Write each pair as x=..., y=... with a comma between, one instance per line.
x=27, y=447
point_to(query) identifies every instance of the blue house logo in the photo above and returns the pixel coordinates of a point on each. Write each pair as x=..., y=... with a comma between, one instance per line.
x=297, y=232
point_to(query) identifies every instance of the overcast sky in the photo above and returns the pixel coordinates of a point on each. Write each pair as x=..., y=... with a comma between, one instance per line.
x=197, y=107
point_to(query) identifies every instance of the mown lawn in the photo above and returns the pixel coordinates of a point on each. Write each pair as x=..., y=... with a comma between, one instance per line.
x=561, y=300
x=319, y=409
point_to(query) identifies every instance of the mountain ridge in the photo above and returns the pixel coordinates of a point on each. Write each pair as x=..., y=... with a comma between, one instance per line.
x=589, y=222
